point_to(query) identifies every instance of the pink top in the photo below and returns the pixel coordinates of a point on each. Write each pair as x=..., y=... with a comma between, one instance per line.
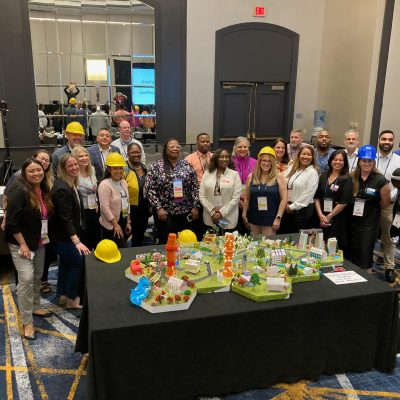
x=110, y=201
x=245, y=166
x=43, y=211
x=43, y=207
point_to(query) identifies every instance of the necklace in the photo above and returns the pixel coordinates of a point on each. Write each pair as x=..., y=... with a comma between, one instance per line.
x=137, y=168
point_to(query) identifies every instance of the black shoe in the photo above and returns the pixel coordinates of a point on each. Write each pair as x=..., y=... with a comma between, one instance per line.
x=390, y=275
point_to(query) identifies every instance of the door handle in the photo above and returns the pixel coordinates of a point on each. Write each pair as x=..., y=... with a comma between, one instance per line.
x=252, y=137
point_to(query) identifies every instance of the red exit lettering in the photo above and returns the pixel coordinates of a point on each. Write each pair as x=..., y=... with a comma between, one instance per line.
x=259, y=11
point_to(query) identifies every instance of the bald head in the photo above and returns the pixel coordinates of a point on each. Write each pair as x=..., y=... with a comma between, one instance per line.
x=125, y=131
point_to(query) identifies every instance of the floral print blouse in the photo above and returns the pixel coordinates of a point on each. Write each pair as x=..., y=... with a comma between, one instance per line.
x=159, y=187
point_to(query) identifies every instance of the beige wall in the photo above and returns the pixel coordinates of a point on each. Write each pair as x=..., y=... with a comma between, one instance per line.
x=337, y=65
x=349, y=61
x=205, y=17
x=390, y=108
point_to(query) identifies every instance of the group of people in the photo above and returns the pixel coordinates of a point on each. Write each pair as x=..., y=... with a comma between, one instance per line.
x=65, y=203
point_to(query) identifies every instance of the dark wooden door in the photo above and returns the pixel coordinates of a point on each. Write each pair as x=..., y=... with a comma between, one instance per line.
x=254, y=110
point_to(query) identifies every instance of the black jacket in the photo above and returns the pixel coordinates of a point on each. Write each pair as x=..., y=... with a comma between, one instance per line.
x=67, y=212
x=22, y=218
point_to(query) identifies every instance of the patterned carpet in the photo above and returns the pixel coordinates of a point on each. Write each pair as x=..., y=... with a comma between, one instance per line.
x=47, y=368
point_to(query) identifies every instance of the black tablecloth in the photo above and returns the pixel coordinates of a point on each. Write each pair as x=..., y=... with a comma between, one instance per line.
x=226, y=343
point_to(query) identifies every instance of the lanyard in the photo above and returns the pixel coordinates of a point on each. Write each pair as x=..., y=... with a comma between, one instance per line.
x=364, y=186
x=217, y=188
x=387, y=166
x=352, y=165
x=294, y=180
x=203, y=165
x=123, y=148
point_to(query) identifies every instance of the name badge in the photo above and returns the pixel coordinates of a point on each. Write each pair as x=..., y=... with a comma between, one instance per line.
x=334, y=188
x=328, y=205
x=290, y=195
x=178, y=189
x=262, y=203
x=358, y=209
x=44, y=234
x=125, y=206
x=396, y=221
x=370, y=191
x=92, y=203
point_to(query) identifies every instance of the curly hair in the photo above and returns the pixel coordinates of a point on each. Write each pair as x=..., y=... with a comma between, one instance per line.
x=214, y=160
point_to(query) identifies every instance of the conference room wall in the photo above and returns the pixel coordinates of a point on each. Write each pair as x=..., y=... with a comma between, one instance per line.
x=349, y=64
x=53, y=69
x=390, y=109
x=311, y=19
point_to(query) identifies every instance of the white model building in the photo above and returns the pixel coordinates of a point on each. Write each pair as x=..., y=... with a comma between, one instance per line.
x=278, y=256
x=319, y=240
x=332, y=246
x=176, y=285
x=277, y=284
x=303, y=241
x=318, y=254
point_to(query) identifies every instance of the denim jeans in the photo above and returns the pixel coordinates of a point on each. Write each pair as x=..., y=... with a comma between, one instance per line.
x=69, y=269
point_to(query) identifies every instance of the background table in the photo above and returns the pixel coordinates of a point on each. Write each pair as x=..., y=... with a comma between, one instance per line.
x=226, y=343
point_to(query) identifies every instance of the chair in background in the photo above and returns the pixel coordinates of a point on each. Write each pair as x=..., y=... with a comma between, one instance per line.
x=186, y=148
x=51, y=140
x=150, y=158
x=149, y=148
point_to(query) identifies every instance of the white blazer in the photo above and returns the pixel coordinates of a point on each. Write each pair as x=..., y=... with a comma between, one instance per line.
x=231, y=189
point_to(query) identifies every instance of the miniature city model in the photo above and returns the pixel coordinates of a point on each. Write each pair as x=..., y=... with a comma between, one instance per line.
x=158, y=288
x=260, y=270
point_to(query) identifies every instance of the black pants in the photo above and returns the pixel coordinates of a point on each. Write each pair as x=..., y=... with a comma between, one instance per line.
x=139, y=220
x=91, y=235
x=109, y=234
x=299, y=219
x=173, y=224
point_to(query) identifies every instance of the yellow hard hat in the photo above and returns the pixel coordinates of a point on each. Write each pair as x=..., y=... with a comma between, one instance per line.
x=107, y=251
x=267, y=150
x=115, y=160
x=75, y=127
x=72, y=100
x=187, y=236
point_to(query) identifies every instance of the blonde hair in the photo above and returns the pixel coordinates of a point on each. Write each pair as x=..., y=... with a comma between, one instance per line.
x=296, y=162
x=61, y=172
x=272, y=174
x=238, y=140
x=75, y=153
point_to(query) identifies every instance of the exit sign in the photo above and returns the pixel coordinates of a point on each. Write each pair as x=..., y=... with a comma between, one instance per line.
x=259, y=12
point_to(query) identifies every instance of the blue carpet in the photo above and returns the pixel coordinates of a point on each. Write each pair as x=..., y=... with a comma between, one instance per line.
x=47, y=368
